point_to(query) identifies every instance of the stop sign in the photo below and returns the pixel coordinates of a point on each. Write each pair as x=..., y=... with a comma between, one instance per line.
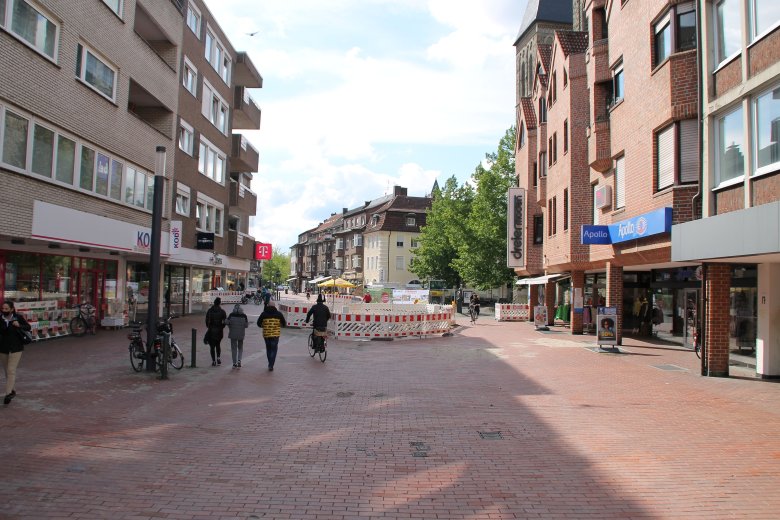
x=385, y=297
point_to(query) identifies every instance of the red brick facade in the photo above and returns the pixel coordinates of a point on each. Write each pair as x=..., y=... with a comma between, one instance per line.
x=716, y=350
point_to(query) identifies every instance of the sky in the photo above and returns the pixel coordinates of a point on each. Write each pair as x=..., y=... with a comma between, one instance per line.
x=362, y=95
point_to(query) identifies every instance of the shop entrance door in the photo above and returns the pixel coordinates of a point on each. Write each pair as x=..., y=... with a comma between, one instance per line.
x=691, y=303
x=88, y=288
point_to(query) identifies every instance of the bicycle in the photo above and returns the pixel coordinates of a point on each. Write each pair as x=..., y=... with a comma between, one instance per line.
x=84, y=321
x=254, y=298
x=697, y=346
x=137, y=348
x=318, y=345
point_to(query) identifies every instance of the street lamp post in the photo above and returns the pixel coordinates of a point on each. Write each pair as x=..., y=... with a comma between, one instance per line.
x=154, y=255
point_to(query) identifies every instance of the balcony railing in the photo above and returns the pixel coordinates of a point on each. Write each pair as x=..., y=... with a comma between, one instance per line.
x=241, y=245
x=244, y=157
x=243, y=201
x=246, y=113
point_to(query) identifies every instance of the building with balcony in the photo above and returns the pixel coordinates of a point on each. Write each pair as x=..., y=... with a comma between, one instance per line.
x=607, y=155
x=213, y=201
x=92, y=95
x=737, y=238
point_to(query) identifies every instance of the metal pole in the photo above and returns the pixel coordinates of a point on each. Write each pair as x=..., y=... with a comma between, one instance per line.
x=194, y=348
x=166, y=353
x=154, y=255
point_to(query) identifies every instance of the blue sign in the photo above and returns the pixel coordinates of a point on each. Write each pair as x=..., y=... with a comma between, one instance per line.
x=645, y=225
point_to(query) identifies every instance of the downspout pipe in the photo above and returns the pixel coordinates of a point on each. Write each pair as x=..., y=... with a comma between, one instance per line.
x=699, y=194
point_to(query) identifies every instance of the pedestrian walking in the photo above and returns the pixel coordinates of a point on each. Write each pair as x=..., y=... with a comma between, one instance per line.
x=215, y=321
x=271, y=321
x=237, y=323
x=11, y=346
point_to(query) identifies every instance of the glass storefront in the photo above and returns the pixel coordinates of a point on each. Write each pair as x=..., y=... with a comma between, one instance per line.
x=743, y=310
x=176, y=293
x=137, y=290
x=202, y=280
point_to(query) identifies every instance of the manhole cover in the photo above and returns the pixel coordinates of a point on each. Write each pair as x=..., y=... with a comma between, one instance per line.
x=671, y=368
x=420, y=454
x=491, y=436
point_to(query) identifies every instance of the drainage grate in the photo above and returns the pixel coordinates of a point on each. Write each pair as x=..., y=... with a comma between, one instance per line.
x=491, y=436
x=670, y=368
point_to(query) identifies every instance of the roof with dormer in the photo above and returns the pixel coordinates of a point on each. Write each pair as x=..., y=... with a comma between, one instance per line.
x=555, y=11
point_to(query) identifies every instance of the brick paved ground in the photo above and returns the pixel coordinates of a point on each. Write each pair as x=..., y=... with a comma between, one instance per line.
x=388, y=430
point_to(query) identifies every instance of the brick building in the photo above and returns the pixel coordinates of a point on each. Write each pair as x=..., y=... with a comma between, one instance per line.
x=94, y=93
x=607, y=155
x=737, y=237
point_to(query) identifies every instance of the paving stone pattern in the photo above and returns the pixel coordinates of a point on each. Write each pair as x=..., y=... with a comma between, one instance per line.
x=496, y=422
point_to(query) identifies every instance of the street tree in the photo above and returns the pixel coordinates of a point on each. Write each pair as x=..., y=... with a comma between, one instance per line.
x=277, y=269
x=481, y=253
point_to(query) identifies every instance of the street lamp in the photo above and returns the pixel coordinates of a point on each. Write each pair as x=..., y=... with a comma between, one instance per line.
x=154, y=255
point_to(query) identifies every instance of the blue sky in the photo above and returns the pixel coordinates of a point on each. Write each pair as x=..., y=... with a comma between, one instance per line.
x=360, y=95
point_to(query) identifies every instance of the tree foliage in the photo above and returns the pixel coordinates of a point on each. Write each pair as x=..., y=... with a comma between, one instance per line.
x=464, y=238
x=277, y=269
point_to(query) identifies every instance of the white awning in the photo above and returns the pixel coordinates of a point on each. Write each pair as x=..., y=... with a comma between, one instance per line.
x=320, y=279
x=538, y=280
x=291, y=278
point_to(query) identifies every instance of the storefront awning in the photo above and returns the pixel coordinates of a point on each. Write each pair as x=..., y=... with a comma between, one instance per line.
x=538, y=280
x=291, y=278
x=320, y=279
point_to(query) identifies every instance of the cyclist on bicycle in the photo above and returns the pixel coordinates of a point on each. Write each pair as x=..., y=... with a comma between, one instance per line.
x=474, y=304
x=321, y=315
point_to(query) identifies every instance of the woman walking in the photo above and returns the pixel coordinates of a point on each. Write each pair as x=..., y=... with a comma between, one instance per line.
x=237, y=322
x=215, y=321
x=11, y=346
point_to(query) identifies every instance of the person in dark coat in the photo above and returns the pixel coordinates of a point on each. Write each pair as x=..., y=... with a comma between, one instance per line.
x=215, y=321
x=11, y=346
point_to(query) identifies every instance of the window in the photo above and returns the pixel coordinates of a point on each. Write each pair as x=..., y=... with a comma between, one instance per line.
x=542, y=165
x=553, y=89
x=549, y=217
x=208, y=214
x=521, y=138
x=15, y=140
x=186, y=137
x=555, y=215
x=399, y=263
x=95, y=72
x=550, y=150
x=214, y=108
x=686, y=26
x=66, y=159
x=87, y=169
x=766, y=111
x=103, y=172
x=114, y=5
x=729, y=138
x=542, y=110
x=565, y=209
x=536, y=174
x=688, y=148
x=189, y=77
x=727, y=28
x=43, y=151
x=665, y=157
x=415, y=242
x=358, y=240
x=399, y=240
x=554, y=147
x=565, y=78
x=217, y=56
x=193, y=19
x=182, y=199
x=538, y=229
x=596, y=210
x=620, y=183
x=617, y=84
x=411, y=221
x=566, y=136
x=28, y=23
x=115, y=190
x=662, y=40
x=211, y=161
x=764, y=15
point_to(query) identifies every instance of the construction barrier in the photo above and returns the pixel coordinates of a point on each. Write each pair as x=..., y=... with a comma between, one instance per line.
x=225, y=296
x=512, y=312
x=383, y=321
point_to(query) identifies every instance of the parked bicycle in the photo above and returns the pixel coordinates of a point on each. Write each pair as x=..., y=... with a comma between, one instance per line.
x=318, y=345
x=137, y=348
x=254, y=298
x=697, y=346
x=84, y=321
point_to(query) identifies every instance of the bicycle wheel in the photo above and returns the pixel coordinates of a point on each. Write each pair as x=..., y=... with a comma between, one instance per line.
x=137, y=356
x=312, y=350
x=697, y=349
x=323, y=352
x=78, y=326
x=176, y=358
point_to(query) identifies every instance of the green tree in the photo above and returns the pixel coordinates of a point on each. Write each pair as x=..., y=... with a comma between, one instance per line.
x=277, y=269
x=481, y=253
x=444, y=226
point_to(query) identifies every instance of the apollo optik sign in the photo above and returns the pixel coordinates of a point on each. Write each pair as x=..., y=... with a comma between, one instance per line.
x=642, y=226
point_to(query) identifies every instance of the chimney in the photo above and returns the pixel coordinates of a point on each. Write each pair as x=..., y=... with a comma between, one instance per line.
x=344, y=210
x=399, y=191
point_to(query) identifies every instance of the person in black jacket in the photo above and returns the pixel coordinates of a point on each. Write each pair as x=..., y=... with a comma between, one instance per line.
x=215, y=321
x=321, y=315
x=272, y=322
x=11, y=346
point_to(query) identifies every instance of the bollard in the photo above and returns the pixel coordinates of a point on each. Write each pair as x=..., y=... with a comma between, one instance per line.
x=166, y=354
x=194, y=347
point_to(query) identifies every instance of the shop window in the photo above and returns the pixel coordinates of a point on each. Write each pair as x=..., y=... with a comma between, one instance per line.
x=538, y=229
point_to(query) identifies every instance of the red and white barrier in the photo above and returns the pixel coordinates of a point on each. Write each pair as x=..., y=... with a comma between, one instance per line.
x=512, y=312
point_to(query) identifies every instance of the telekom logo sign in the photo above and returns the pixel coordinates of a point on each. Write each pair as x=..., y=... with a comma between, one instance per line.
x=263, y=251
